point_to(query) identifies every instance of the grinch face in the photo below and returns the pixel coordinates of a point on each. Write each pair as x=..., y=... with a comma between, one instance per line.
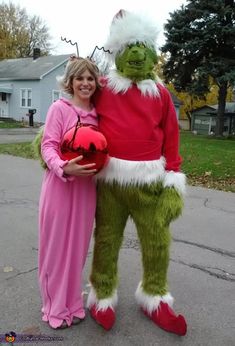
x=136, y=62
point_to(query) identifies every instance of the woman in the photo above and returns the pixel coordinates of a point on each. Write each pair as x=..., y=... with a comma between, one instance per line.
x=67, y=201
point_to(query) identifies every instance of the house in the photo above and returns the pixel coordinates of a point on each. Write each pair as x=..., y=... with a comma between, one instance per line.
x=177, y=103
x=30, y=85
x=204, y=119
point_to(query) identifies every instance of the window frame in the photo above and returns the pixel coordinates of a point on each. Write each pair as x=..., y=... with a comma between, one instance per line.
x=28, y=100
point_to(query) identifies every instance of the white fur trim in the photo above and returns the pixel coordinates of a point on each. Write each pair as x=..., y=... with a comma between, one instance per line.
x=118, y=83
x=102, y=304
x=150, y=302
x=177, y=180
x=148, y=87
x=131, y=28
x=133, y=172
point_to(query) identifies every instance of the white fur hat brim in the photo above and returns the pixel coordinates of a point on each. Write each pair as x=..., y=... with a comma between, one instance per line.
x=128, y=28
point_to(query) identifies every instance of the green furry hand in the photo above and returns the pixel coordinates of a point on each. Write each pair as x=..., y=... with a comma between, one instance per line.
x=169, y=207
x=36, y=145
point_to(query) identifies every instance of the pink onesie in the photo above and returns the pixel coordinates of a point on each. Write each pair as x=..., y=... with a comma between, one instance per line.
x=66, y=217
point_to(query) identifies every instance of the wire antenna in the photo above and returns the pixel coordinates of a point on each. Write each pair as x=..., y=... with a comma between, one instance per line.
x=72, y=43
x=102, y=48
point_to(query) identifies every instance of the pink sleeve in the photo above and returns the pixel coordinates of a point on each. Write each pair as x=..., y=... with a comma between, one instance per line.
x=52, y=135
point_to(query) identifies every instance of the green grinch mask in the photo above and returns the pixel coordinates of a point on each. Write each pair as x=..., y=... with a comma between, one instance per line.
x=136, y=62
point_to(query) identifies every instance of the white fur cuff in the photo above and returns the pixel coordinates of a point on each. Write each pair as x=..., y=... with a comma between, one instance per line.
x=102, y=304
x=177, y=180
x=150, y=302
x=127, y=172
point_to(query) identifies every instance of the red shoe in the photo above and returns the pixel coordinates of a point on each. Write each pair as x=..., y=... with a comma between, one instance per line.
x=166, y=319
x=106, y=318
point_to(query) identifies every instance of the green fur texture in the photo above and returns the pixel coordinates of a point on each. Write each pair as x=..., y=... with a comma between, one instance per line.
x=145, y=205
x=137, y=62
x=170, y=206
x=36, y=145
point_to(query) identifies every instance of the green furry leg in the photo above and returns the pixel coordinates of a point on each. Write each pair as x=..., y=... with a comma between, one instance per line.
x=152, y=218
x=152, y=208
x=111, y=217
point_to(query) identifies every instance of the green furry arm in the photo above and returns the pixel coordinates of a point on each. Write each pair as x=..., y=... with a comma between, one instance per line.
x=170, y=206
x=36, y=144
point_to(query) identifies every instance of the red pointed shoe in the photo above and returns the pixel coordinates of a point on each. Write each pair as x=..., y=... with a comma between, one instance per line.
x=106, y=318
x=166, y=319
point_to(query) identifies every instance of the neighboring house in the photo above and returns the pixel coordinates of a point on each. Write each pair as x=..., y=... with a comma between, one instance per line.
x=30, y=83
x=177, y=104
x=204, y=119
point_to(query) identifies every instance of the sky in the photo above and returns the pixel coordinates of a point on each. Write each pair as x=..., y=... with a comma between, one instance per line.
x=87, y=22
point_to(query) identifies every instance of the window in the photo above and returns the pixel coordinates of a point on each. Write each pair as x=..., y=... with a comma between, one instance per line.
x=26, y=98
x=56, y=94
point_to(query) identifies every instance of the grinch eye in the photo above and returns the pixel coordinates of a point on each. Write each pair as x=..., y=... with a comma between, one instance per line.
x=141, y=45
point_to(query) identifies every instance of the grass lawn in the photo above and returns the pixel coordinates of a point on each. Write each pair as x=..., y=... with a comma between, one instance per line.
x=12, y=125
x=18, y=149
x=207, y=161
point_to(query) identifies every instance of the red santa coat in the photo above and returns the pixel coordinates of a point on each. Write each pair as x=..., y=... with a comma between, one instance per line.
x=142, y=134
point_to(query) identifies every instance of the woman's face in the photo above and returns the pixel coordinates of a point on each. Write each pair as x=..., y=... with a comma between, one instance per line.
x=84, y=86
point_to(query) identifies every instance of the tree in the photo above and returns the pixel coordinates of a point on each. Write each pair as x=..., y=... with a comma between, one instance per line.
x=200, y=45
x=20, y=33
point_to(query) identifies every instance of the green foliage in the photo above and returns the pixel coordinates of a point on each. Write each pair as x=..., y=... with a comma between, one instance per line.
x=200, y=43
x=200, y=40
x=20, y=33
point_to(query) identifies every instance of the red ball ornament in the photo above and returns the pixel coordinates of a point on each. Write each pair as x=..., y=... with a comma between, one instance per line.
x=88, y=141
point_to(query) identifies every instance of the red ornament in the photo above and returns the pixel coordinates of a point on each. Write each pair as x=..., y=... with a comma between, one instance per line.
x=88, y=141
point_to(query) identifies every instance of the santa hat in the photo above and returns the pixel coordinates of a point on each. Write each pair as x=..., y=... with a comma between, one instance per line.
x=127, y=28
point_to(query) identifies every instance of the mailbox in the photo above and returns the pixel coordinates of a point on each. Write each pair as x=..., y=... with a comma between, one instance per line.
x=30, y=114
x=32, y=111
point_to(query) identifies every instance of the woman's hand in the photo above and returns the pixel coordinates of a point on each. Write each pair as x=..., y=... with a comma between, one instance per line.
x=73, y=168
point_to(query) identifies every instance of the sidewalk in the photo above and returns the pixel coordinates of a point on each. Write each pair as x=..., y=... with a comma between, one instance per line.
x=201, y=272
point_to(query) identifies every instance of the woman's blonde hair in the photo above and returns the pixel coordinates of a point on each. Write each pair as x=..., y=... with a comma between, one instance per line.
x=75, y=68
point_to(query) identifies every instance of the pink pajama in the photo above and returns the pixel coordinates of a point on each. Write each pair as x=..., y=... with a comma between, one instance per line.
x=63, y=245
x=66, y=216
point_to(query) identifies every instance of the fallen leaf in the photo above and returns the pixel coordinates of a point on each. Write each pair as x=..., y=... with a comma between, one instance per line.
x=32, y=330
x=206, y=174
x=7, y=269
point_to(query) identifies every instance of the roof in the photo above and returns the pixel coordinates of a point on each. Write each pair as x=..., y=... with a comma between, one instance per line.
x=30, y=69
x=175, y=99
x=207, y=107
x=229, y=107
x=5, y=88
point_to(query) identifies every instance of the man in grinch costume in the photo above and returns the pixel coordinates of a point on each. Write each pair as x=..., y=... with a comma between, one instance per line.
x=142, y=179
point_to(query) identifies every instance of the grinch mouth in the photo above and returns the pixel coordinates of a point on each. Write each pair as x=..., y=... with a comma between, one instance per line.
x=136, y=63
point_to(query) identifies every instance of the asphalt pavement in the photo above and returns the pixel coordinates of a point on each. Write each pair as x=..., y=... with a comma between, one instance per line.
x=201, y=271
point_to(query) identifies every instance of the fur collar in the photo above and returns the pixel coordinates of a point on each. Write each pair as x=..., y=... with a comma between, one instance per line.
x=118, y=83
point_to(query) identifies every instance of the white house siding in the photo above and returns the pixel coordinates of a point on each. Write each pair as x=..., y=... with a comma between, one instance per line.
x=15, y=110
x=48, y=84
x=41, y=86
